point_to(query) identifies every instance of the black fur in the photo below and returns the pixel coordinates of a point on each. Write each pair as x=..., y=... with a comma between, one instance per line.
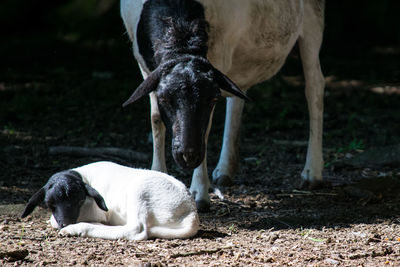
x=64, y=194
x=172, y=39
x=171, y=26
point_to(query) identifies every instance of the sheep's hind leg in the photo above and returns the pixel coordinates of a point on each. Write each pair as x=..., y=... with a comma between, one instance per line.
x=309, y=44
x=229, y=159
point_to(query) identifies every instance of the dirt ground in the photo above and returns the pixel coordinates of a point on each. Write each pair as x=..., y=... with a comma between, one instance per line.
x=72, y=96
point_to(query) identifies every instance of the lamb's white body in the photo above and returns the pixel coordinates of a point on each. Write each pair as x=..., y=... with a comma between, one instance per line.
x=249, y=41
x=141, y=204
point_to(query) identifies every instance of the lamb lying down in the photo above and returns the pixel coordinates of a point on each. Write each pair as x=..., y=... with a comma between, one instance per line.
x=111, y=201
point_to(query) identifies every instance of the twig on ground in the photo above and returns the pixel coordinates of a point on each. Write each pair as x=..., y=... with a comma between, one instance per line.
x=14, y=255
x=102, y=152
x=290, y=143
x=302, y=193
x=375, y=157
x=292, y=195
x=198, y=252
x=282, y=222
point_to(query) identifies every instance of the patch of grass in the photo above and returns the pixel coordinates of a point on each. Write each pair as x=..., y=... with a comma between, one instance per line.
x=306, y=232
x=9, y=129
x=22, y=235
x=46, y=239
x=233, y=229
x=316, y=239
x=355, y=144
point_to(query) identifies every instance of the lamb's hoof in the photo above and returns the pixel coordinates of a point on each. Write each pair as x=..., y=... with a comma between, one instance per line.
x=202, y=206
x=224, y=180
x=318, y=184
x=64, y=233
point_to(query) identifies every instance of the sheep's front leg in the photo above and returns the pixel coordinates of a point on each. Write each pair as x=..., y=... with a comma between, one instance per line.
x=200, y=181
x=53, y=222
x=200, y=186
x=229, y=159
x=158, y=132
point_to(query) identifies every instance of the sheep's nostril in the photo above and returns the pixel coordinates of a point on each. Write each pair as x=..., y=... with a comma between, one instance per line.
x=176, y=144
x=188, y=156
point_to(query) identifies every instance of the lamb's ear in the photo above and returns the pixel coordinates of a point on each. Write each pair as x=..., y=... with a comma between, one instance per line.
x=147, y=86
x=96, y=196
x=228, y=85
x=35, y=200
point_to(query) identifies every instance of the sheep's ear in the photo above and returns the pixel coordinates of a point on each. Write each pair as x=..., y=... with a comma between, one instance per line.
x=96, y=196
x=35, y=200
x=228, y=85
x=147, y=86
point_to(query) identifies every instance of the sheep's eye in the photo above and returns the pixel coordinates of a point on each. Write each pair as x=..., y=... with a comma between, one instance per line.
x=214, y=100
x=162, y=100
x=167, y=101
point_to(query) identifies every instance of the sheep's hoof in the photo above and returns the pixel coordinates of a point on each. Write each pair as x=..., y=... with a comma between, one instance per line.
x=224, y=180
x=202, y=206
x=317, y=184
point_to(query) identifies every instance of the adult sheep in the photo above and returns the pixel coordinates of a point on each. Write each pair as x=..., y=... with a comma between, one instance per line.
x=186, y=51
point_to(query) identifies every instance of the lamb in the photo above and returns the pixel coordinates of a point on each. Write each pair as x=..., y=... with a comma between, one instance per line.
x=186, y=51
x=110, y=201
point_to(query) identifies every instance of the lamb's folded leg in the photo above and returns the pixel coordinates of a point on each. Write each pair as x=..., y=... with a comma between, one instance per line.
x=130, y=232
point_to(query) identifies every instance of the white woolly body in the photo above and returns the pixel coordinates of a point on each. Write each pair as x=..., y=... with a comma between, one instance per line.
x=141, y=204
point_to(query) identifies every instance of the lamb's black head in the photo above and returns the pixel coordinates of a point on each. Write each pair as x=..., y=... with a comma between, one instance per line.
x=64, y=194
x=187, y=89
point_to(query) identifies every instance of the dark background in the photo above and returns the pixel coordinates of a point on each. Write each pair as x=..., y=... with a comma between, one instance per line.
x=357, y=22
x=38, y=31
x=67, y=66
